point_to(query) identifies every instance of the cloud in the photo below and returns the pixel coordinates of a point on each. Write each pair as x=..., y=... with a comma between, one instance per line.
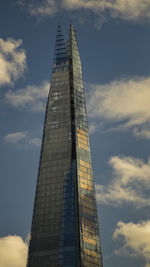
x=42, y=8
x=125, y=101
x=125, y=9
x=143, y=133
x=134, y=10
x=129, y=185
x=22, y=138
x=34, y=142
x=32, y=98
x=93, y=127
x=13, y=251
x=136, y=238
x=12, y=61
x=15, y=137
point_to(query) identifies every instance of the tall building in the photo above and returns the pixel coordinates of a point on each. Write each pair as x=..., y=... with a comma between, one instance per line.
x=65, y=228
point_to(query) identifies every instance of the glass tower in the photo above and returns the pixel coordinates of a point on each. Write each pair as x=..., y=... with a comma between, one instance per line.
x=65, y=228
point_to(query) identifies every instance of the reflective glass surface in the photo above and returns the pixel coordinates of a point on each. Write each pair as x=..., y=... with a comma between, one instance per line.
x=64, y=228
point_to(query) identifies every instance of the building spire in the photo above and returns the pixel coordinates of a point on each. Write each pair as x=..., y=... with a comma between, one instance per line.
x=64, y=228
x=60, y=54
x=72, y=36
x=71, y=30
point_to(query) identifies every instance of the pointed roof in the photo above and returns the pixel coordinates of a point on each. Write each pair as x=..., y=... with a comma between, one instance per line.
x=72, y=35
x=71, y=31
x=60, y=54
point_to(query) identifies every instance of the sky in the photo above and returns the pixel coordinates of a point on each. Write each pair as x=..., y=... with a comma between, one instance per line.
x=114, y=41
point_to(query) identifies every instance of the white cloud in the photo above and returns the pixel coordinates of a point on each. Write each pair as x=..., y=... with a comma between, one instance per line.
x=124, y=101
x=13, y=251
x=22, y=138
x=143, y=133
x=42, y=8
x=34, y=142
x=32, y=98
x=12, y=61
x=129, y=185
x=136, y=239
x=126, y=9
x=93, y=127
x=15, y=137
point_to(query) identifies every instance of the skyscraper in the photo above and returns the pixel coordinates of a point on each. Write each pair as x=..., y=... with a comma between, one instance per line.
x=65, y=224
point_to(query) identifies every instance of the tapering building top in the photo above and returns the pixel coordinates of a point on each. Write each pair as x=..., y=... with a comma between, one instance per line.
x=65, y=229
x=60, y=54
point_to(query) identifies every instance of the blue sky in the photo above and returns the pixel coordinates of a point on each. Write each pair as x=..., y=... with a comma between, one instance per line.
x=114, y=41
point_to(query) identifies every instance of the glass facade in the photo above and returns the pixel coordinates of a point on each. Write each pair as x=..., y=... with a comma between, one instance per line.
x=64, y=228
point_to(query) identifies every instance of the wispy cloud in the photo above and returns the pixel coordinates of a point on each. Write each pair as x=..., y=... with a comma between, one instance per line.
x=143, y=133
x=15, y=137
x=13, y=251
x=12, y=61
x=136, y=238
x=22, y=138
x=93, y=127
x=131, y=180
x=135, y=10
x=125, y=9
x=125, y=101
x=31, y=98
x=42, y=8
